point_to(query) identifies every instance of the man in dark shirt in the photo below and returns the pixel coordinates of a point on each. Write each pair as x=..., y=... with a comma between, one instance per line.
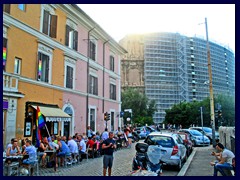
x=108, y=146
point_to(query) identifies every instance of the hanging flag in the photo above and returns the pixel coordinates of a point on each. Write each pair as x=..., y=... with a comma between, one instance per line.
x=40, y=118
x=4, y=56
x=39, y=123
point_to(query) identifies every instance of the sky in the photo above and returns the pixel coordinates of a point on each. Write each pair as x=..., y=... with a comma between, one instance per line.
x=118, y=20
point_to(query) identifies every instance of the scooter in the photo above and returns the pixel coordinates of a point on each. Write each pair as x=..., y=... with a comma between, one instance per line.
x=147, y=158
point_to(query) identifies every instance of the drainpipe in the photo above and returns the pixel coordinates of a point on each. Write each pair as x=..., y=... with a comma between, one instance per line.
x=87, y=100
x=103, y=94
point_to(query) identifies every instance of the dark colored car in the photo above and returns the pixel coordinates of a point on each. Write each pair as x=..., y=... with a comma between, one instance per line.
x=187, y=141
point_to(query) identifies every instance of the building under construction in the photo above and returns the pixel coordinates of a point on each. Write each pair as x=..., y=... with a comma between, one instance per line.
x=176, y=69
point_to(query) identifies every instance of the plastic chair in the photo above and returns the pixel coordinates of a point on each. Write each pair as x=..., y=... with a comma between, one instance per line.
x=68, y=159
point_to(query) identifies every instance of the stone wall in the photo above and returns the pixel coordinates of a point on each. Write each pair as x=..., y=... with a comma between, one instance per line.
x=227, y=137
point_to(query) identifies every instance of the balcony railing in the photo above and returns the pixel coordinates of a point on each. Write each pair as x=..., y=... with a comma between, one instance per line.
x=10, y=82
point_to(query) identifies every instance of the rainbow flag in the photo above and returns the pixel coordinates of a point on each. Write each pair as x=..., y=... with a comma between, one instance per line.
x=4, y=56
x=39, y=123
x=40, y=118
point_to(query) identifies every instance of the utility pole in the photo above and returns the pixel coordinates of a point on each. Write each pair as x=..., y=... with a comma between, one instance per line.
x=202, y=121
x=210, y=89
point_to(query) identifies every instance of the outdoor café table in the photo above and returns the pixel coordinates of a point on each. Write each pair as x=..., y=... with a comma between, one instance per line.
x=13, y=162
x=52, y=155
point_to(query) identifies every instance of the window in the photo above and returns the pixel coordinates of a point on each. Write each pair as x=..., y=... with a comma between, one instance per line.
x=92, y=119
x=93, y=85
x=6, y=8
x=69, y=77
x=4, y=53
x=43, y=67
x=49, y=24
x=113, y=91
x=71, y=38
x=112, y=63
x=17, y=65
x=22, y=7
x=92, y=50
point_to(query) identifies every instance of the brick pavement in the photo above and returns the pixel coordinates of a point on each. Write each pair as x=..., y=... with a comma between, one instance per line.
x=93, y=167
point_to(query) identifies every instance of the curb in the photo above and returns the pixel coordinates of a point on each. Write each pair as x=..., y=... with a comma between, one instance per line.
x=186, y=165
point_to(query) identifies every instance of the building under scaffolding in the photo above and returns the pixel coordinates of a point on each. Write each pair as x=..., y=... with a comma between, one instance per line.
x=176, y=70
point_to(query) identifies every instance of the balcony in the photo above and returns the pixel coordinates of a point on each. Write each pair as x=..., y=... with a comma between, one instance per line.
x=10, y=82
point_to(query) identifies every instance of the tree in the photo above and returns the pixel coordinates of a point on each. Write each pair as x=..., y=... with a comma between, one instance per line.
x=142, y=108
x=187, y=113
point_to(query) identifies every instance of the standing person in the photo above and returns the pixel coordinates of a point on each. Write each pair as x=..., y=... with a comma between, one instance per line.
x=108, y=146
x=224, y=158
x=105, y=134
x=82, y=147
x=89, y=132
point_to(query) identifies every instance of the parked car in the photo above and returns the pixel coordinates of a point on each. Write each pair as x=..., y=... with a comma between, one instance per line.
x=187, y=141
x=196, y=137
x=144, y=131
x=207, y=132
x=173, y=150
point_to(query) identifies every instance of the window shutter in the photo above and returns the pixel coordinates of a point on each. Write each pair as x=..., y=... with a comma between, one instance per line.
x=90, y=85
x=69, y=79
x=47, y=69
x=67, y=35
x=75, y=40
x=93, y=51
x=53, y=27
x=6, y=8
x=45, y=22
x=96, y=85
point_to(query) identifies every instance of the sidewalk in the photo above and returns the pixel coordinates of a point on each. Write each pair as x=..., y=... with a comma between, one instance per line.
x=198, y=163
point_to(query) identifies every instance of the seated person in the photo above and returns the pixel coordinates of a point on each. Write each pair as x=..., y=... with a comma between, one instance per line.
x=73, y=147
x=13, y=150
x=53, y=143
x=31, y=151
x=224, y=158
x=233, y=165
x=11, y=143
x=63, y=150
x=43, y=147
x=92, y=145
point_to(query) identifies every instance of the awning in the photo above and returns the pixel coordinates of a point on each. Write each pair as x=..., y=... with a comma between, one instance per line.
x=53, y=113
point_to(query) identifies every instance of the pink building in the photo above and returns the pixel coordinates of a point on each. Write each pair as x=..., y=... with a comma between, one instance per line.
x=93, y=77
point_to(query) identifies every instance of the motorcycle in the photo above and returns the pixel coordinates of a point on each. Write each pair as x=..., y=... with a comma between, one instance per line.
x=148, y=158
x=135, y=136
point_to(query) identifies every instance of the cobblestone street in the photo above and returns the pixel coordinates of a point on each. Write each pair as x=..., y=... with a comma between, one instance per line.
x=122, y=165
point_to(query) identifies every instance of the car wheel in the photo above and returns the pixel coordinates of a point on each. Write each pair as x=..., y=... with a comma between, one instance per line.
x=194, y=144
x=179, y=165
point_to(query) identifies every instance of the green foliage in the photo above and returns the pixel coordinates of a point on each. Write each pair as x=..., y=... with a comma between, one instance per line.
x=142, y=108
x=187, y=113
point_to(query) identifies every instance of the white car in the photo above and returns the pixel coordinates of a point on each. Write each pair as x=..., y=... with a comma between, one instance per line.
x=173, y=150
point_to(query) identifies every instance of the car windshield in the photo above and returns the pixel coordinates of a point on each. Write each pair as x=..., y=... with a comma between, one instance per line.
x=161, y=140
x=182, y=136
x=196, y=133
x=207, y=130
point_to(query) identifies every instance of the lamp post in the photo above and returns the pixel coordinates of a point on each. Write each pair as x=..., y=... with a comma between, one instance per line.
x=210, y=88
